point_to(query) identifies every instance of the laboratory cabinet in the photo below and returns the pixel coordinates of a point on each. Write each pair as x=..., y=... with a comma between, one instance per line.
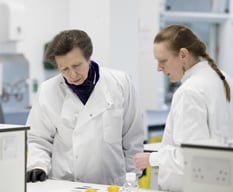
x=13, y=157
x=11, y=21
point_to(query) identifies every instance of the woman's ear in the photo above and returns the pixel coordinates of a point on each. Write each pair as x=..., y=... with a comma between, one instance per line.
x=183, y=53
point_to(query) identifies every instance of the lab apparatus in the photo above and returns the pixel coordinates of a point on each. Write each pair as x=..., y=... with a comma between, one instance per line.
x=208, y=168
x=13, y=158
x=14, y=97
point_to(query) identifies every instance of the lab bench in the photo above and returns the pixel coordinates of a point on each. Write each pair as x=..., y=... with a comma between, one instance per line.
x=68, y=186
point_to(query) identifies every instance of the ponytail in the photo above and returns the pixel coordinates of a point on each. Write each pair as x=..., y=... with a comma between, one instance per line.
x=220, y=74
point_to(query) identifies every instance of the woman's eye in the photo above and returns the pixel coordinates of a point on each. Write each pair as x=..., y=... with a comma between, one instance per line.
x=66, y=69
x=76, y=66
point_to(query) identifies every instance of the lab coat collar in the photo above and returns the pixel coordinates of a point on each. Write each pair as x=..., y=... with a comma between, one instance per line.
x=193, y=69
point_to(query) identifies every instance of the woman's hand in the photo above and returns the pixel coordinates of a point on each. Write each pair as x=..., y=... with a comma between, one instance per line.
x=141, y=160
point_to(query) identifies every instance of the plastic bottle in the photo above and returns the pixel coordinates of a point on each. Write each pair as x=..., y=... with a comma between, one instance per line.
x=131, y=183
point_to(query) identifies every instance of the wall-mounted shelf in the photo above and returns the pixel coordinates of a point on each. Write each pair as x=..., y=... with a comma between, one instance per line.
x=181, y=16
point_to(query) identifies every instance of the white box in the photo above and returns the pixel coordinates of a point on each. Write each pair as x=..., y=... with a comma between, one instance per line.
x=208, y=168
x=13, y=158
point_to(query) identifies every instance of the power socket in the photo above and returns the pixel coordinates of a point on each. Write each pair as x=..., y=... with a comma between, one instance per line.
x=215, y=171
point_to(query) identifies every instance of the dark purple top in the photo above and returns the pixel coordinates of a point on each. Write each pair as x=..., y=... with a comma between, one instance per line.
x=84, y=90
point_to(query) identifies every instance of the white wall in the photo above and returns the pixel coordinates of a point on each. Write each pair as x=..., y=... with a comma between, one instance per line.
x=112, y=26
x=151, y=82
x=124, y=37
x=93, y=17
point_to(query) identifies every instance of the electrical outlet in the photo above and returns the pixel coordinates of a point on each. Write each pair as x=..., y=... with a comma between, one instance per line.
x=214, y=171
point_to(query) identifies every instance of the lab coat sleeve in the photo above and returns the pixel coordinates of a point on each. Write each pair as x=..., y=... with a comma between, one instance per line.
x=133, y=131
x=186, y=123
x=40, y=138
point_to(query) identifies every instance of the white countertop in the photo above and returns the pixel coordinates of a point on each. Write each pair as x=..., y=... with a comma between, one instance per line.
x=68, y=186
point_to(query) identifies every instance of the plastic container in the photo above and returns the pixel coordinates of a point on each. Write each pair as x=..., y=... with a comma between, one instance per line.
x=131, y=183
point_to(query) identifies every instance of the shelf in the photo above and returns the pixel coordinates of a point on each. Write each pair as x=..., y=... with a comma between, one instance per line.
x=194, y=17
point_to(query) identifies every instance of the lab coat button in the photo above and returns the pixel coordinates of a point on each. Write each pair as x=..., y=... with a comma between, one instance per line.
x=108, y=105
x=76, y=156
x=91, y=115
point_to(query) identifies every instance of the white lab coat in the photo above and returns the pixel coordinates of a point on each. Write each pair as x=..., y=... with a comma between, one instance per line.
x=199, y=112
x=92, y=143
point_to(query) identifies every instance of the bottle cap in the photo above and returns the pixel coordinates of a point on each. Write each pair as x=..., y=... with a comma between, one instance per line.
x=131, y=176
x=91, y=190
x=113, y=188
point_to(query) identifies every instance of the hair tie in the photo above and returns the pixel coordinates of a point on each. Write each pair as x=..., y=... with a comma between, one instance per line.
x=222, y=77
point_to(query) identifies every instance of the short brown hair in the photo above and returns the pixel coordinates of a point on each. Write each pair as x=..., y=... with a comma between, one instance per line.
x=65, y=41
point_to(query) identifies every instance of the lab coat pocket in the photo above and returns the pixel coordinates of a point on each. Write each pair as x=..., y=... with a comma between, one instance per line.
x=112, y=125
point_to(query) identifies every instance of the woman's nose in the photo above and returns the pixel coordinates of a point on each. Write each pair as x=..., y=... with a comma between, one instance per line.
x=72, y=73
x=159, y=68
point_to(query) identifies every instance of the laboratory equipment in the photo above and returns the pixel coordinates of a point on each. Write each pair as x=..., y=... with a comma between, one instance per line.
x=208, y=168
x=13, y=158
x=15, y=90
